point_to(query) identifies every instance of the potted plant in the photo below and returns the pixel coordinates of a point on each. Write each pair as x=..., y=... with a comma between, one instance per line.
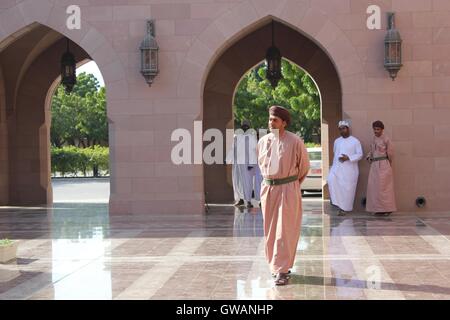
x=8, y=250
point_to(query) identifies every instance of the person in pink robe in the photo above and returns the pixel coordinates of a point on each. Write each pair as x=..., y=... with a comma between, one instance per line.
x=380, y=186
x=284, y=163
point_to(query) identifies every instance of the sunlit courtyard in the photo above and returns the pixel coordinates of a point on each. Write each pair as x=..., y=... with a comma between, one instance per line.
x=75, y=250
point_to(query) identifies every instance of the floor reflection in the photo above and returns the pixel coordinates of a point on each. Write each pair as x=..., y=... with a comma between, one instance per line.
x=78, y=268
x=345, y=279
x=248, y=222
x=78, y=251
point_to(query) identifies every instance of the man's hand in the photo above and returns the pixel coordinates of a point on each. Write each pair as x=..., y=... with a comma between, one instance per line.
x=344, y=158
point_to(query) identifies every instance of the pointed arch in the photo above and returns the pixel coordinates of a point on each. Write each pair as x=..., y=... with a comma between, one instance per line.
x=227, y=69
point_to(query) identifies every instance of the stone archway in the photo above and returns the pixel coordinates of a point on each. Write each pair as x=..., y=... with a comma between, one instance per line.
x=32, y=39
x=30, y=66
x=312, y=19
x=243, y=55
x=27, y=81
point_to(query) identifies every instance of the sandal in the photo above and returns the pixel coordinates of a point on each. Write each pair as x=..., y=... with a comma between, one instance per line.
x=274, y=275
x=382, y=214
x=282, y=279
x=341, y=213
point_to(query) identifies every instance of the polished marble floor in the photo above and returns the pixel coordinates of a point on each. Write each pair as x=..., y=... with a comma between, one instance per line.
x=77, y=251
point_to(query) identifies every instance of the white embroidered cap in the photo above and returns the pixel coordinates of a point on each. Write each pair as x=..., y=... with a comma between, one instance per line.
x=344, y=123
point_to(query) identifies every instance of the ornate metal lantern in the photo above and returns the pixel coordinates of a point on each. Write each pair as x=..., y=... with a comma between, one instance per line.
x=392, y=48
x=273, y=60
x=68, y=70
x=149, y=54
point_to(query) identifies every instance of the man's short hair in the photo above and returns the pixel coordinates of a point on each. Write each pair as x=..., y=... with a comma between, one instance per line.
x=378, y=124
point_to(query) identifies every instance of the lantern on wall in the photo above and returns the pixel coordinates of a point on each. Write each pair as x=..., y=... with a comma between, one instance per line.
x=68, y=70
x=273, y=61
x=149, y=54
x=392, y=48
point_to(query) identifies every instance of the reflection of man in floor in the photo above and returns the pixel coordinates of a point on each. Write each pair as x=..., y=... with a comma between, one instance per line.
x=284, y=163
x=344, y=172
x=247, y=224
x=243, y=157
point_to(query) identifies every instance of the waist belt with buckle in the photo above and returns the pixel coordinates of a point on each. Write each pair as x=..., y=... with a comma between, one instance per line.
x=275, y=182
x=380, y=158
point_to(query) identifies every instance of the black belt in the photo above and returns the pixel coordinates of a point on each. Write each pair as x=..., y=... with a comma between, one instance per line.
x=379, y=158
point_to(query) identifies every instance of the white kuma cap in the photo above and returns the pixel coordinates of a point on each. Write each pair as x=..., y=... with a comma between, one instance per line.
x=344, y=123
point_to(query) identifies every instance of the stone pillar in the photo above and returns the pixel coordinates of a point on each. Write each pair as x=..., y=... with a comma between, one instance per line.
x=4, y=181
x=331, y=114
x=29, y=137
x=218, y=181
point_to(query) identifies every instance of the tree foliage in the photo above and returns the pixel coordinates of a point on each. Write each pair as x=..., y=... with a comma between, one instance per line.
x=296, y=91
x=79, y=118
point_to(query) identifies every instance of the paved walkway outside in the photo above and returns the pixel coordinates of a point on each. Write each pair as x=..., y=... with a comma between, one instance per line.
x=86, y=190
x=76, y=251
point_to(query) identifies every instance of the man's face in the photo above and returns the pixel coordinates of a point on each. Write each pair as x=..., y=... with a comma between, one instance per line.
x=378, y=131
x=276, y=123
x=245, y=127
x=344, y=131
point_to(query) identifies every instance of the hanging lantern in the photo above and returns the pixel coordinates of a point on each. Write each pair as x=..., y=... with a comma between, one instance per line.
x=68, y=70
x=149, y=54
x=392, y=48
x=273, y=61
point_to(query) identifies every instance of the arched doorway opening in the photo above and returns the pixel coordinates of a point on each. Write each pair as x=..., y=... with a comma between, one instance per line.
x=235, y=61
x=298, y=92
x=29, y=75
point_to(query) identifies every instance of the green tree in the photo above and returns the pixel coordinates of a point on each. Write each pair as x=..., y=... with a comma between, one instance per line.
x=296, y=92
x=79, y=118
x=92, y=122
x=65, y=109
x=86, y=83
